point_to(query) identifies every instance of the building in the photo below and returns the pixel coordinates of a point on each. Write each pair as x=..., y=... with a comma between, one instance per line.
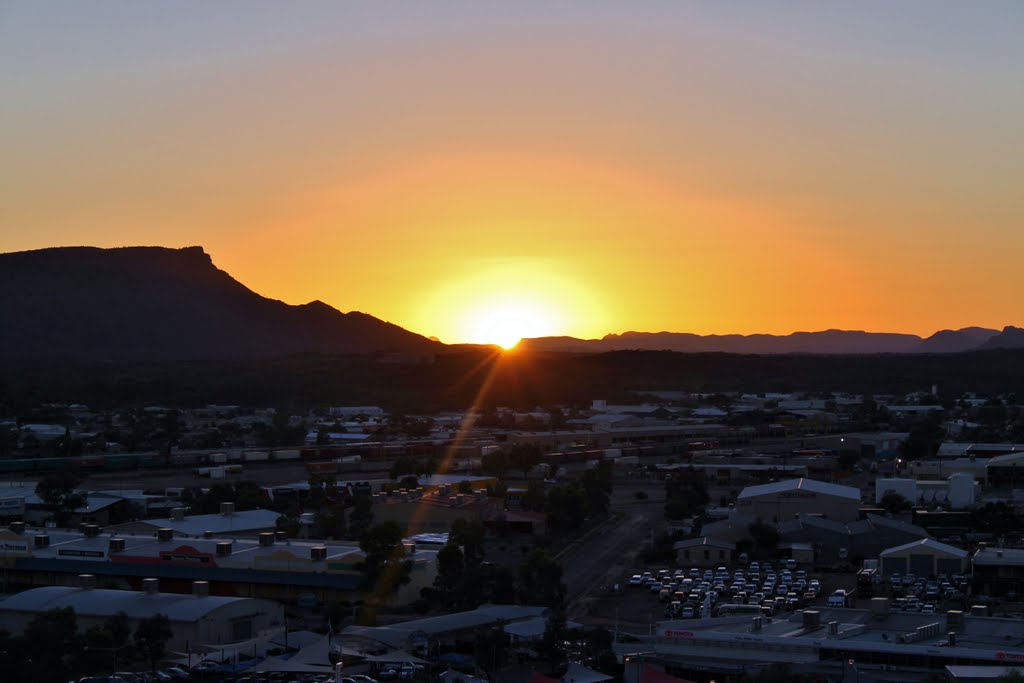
x=704, y=552
x=306, y=573
x=924, y=558
x=998, y=571
x=956, y=491
x=227, y=522
x=432, y=631
x=822, y=643
x=196, y=619
x=786, y=499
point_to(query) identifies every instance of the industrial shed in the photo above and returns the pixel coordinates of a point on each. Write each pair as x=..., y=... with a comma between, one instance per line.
x=923, y=558
x=196, y=620
x=786, y=499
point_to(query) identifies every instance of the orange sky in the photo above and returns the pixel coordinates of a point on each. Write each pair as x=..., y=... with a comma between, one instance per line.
x=474, y=173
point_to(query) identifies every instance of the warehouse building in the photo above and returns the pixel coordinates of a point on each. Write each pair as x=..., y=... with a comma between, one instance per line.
x=998, y=571
x=786, y=499
x=924, y=558
x=196, y=619
x=831, y=644
x=704, y=552
x=270, y=566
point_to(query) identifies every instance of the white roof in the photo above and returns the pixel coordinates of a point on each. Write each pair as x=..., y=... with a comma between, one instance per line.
x=102, y=602
x=926, y=544
x=811, y=485
x=195, y=525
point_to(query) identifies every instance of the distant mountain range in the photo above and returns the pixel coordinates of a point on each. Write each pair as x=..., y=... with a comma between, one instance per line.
x=152, y=303
x=825, y=342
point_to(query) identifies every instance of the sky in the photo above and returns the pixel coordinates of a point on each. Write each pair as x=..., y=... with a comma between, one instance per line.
x=483, y=171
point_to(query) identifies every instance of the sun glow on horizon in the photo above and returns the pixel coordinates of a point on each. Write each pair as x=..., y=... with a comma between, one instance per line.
x=503, y=302
x=506, y=322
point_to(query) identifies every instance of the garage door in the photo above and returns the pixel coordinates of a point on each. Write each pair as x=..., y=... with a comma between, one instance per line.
x=922, y=565
x=894, y=565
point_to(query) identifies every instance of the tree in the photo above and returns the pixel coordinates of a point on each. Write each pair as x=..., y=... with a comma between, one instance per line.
x=362, y=515
x=151, y=636
x=57, y=491
x=540, y=580
x=534, y=498
x=119, y=628
x=384, y=565
x=766, y=537
x=451, y=572
x=52, y=643
x=469, y=534
x=494, y=464
x=330, y=522
x=894, y=502
x=524, y=457
x=565, y=509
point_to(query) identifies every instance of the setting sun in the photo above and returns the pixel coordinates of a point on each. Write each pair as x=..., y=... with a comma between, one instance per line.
x=504, y=300
x=507, y=322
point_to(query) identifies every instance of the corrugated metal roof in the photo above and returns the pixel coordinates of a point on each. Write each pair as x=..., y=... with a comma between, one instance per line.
x=802, y=484
x=195, y=525
x=102, y=602
x=926, y=544
x=191, y=572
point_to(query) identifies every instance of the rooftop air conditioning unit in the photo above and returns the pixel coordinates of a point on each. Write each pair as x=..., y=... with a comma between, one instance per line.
x=164, y=534
x=42, y=541
x=223, y=548
x=151, y=586
x=116, y=545
x=266, y=539
x=318, y=553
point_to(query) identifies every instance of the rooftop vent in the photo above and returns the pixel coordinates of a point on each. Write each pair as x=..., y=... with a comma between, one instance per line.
x=318, y=553
x=91, y=531
x=266, y=539
x=18, y=527
x=812, y=618
x=116, y=545
x=756, y=624
x=951, y=638
x=281, y=535
x=223, y=548
x=164, y=534
x=42, y=541
x=178, y=514
x=207, y=534
x=201, y=589
x=833, y=628
x=954, y=620
x=151, y=586
x=87, y=581
x=227, y=508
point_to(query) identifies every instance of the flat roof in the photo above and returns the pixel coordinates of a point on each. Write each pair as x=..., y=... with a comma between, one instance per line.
x=196, y=525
